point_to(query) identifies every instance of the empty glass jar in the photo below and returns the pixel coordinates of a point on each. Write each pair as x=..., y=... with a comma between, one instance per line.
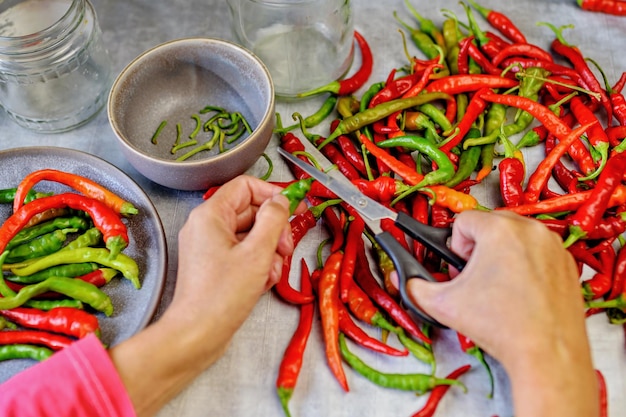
x=304, y=43
x=54, y=71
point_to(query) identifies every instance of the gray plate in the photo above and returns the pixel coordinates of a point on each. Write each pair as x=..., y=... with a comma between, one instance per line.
x=133, y=308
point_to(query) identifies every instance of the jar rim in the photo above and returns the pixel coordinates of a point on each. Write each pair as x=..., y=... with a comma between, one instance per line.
x=26, y=42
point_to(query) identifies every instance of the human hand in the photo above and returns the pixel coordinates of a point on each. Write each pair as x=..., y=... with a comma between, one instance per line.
x=519, y=298
x=231, y=250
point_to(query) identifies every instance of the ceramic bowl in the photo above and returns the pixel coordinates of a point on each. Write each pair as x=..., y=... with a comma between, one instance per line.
x=178, y=84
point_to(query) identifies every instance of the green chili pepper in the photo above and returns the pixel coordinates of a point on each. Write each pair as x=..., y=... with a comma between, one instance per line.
x=156, y=134
x=369, y=94
x=437, y=116
x=29, y=233
x=374, y=114
x=494, y=124
x=70, y=287
x=418, y=350
x=8, y=195
x=22, y=351
x=420, y=383
x=40, y=246
x=316, y=118
x=91, y=237
x=70, y=270
x=23, y=297
x=421, y=39
x=445, y=167
x=123, y=263
x=468, y=161
x=296, y=192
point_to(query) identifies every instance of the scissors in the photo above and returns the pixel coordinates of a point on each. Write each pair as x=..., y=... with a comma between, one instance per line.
x=372, y=212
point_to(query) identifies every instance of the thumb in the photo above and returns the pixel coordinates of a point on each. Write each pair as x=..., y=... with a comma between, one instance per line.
x=269, y=224
x=433, y=298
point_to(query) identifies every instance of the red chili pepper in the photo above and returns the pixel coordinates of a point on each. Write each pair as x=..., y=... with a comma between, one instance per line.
x=291, y=364
x=300, y=225
x=567, y=202
x=522, y=49
x=423, y=80
x=352, y=154
x=552, y=67
x=437, y=393
x=468, y=346
x=350, y=85
x=475, y=108
x=369, y=284
x=394, y=89
x=539, y=178
x=596, y=134
x=359, y=336
x=334, y=155
x=589, y=214
x=81, y=184
x=483, y=62
x=511, y=181
x=600, y=283
x=581, y=254
x=104, y=218
x=467, y=83
x=346, y=276
x=564, y=176
x=457, y=201
x=619, y=274
x=500, y=22
x=614, y=7
x=616, y=134
x=577, y=59
x=328, y=291
x=419, y=211
x=410, y=176
x=608, y=227
x=65, y=320
x=35, y=337
x=383, y=188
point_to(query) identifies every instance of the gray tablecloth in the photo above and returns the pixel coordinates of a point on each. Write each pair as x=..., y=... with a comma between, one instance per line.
x=242, y=382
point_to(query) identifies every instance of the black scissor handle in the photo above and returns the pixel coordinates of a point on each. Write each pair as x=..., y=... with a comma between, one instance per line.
x=434, y=238
x=407, y=268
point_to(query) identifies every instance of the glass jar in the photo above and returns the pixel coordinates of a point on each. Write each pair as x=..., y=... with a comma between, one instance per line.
x=54, y=71
x=304, y=43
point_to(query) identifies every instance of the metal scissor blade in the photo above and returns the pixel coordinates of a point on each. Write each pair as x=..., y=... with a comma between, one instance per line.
x=371, y=210
x=322, y=161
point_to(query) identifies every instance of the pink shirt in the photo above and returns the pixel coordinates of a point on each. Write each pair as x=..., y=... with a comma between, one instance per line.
x=77, y=381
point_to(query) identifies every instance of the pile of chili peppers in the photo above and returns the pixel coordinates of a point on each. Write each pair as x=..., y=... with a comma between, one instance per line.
x=57, y=252
x=419, y=142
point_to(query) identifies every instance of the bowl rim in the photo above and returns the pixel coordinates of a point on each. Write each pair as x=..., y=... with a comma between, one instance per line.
x=267, y=116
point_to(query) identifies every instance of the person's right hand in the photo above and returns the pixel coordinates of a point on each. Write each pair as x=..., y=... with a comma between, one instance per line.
x=519, y=298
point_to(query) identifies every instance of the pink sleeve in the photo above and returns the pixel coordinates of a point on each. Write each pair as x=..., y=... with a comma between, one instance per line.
x=77, y=381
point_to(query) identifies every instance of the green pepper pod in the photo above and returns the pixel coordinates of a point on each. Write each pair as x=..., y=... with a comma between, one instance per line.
x=40, y=246
x=29, y=233
x=420, y=383
x=123, y=263
x=70, y=270
x=22, y=351
x=379, y=112
x=70, y=287
x=91, y=237
x=445, y=167
x=296, y=192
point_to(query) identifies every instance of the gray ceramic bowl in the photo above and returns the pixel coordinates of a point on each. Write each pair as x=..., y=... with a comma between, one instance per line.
x=173, y=82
